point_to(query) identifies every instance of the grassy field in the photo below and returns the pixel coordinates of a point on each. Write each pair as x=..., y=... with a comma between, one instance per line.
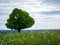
x=31, y=38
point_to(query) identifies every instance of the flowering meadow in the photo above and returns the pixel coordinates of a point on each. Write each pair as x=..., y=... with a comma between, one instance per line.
x=31, y=38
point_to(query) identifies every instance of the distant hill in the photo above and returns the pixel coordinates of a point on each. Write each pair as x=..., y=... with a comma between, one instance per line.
x=7, y=31
x=15, y=31
x=34, y=30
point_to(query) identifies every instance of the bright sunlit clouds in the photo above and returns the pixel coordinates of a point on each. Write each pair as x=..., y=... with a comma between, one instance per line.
x=45, y=13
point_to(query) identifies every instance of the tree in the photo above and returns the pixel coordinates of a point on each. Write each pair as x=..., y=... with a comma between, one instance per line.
x=19, y=19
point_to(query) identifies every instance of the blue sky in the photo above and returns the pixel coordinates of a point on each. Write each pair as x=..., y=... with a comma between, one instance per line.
x=46, y=13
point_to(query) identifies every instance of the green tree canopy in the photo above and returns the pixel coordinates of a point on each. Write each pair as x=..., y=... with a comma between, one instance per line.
x=19, y=19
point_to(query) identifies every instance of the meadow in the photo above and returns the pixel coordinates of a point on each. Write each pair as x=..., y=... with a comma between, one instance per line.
x=31, y=38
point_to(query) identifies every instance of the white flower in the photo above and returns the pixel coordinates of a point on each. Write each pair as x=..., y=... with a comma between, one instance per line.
x=48, y=32
x=43, y=32
x=52, y=34
x=12, y=40
x=32, y=36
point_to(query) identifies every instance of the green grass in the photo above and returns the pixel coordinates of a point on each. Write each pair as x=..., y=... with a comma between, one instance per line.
x=31, y=38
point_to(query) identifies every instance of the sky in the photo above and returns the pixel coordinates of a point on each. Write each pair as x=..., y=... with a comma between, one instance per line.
x=46, y=13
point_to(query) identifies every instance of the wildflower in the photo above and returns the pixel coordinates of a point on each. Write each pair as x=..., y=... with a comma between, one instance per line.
x=43, y=32
x=44, y=36
x=24, y=38
x=12, y=40
x=48, y=42
x=48, y=32
x=1, y=42
x=51, y=34
x=32, y=36
x=9, y=41
x=58, y=37
x=22, y=42
x=23, y=35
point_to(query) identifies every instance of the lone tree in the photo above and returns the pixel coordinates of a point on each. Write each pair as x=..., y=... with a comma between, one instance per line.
x=19, y=19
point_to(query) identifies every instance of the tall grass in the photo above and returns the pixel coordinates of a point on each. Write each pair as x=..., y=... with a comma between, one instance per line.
x=31, y=38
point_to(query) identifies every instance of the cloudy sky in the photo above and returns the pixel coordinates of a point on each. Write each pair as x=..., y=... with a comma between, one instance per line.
x=46, y=13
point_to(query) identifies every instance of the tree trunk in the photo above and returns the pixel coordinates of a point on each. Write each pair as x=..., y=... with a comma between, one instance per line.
x=19, y=31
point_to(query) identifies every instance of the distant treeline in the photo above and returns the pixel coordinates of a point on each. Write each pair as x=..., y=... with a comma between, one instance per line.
x=7, y=31
x=34, y=30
